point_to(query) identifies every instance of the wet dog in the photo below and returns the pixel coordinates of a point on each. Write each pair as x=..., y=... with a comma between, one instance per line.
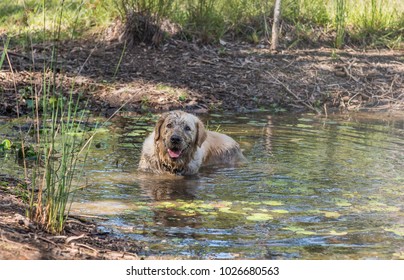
x=180, y=145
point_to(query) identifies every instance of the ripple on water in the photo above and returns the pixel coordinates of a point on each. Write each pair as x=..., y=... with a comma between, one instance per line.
x=328, y=188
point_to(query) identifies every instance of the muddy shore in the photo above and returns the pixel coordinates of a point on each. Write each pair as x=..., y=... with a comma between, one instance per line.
x=182, y=75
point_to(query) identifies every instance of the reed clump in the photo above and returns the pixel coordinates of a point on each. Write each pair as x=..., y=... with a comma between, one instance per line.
x=61, y=152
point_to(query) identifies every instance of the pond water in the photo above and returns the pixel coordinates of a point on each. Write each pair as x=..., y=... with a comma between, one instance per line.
x=313, y=188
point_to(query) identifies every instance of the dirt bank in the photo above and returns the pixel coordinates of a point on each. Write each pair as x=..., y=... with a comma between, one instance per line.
x=20, y=239
x=230, y=76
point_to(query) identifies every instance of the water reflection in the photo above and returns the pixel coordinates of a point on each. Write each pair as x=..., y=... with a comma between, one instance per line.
x=167, y=187
x=314, y=188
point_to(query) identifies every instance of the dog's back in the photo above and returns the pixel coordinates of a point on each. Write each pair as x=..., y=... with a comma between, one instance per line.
x=219, y=148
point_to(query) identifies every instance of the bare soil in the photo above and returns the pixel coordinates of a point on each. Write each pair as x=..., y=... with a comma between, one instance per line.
x=182, y=75
x=177, y=75
x=20, y=239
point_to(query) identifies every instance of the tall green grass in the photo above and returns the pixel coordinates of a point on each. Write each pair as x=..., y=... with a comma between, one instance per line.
x=340, y=17
x=23, y=19
x=366, y=22
x=60, y=148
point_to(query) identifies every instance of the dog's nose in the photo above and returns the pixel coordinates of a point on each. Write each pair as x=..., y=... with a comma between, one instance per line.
x=175, y=139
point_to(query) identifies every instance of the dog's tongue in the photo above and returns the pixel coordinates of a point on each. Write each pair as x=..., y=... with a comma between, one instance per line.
x=174, y=154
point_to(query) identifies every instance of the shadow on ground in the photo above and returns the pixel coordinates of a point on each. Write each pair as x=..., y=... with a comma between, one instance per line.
x=182, y=75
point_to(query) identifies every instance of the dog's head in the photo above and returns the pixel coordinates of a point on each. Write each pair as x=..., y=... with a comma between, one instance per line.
x=177, y=136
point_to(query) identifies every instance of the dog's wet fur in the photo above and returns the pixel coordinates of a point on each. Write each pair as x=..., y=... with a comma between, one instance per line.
x=180, y=145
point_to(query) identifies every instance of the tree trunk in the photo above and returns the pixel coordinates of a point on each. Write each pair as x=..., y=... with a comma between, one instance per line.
x=275, y=26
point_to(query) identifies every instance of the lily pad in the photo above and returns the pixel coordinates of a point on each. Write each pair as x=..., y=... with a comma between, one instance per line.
x=333, y=232
x=280, y=211
x=399, y=230
x=299, y=230
x=272, y=203
x=332, y=215
x=399, y=255
x=378, y=206
x=166, y=204
x=342, y=203
x=303, y=125
x=227, y=210
x=259, y=217
x=305, y=120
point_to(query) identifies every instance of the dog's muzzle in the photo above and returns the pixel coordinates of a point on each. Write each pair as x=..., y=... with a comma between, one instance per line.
x=175, y=151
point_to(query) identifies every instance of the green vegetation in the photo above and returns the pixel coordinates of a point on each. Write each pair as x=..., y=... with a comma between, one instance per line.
x=340, y=23
x=57, y=150
x=5, y=145
x=371, y=23
x=40, y=20
x=61, y=150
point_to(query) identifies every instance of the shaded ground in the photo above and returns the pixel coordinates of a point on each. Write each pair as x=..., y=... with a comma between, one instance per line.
x=231, y=76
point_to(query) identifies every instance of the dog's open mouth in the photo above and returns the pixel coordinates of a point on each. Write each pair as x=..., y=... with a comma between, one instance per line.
x=174, y=153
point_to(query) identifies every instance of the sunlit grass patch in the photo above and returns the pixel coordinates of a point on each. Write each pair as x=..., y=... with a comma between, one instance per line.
x=27, y=20
x=366, y=22
x=180, y=94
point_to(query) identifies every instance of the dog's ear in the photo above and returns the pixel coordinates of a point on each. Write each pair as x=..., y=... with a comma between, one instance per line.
x=157, y=128
x=201, y=133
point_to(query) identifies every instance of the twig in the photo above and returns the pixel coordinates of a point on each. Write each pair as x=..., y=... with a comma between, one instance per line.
x=87, y=247
x=130, y=254
x=15, y=54
x=291, y=92
x=47, y=240
x=350, y=99
x=72, y=238
x=348, y=73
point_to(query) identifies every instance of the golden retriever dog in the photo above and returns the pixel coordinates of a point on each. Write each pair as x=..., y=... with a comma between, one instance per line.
x=180, y=145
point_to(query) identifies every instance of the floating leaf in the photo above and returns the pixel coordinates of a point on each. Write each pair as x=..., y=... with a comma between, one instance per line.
x=342, y=203
x=299, y=230
x=399, y=255
x=333, y=232
x=378, y=206
x=306, y=232
x=303, y=125
x=272, y=203
x=259, y=217
x=399, y=230
x=305, y=120
x=280, y=211
x=206, y=206
x=166, y=204
x=333, y=215
x=254, y=203
x=227, y=210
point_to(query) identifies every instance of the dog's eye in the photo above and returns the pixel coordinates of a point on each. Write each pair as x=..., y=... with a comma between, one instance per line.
x=187, y=128
x=169, y=125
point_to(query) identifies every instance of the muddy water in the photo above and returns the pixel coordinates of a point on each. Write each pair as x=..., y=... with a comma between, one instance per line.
x=314, y=188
